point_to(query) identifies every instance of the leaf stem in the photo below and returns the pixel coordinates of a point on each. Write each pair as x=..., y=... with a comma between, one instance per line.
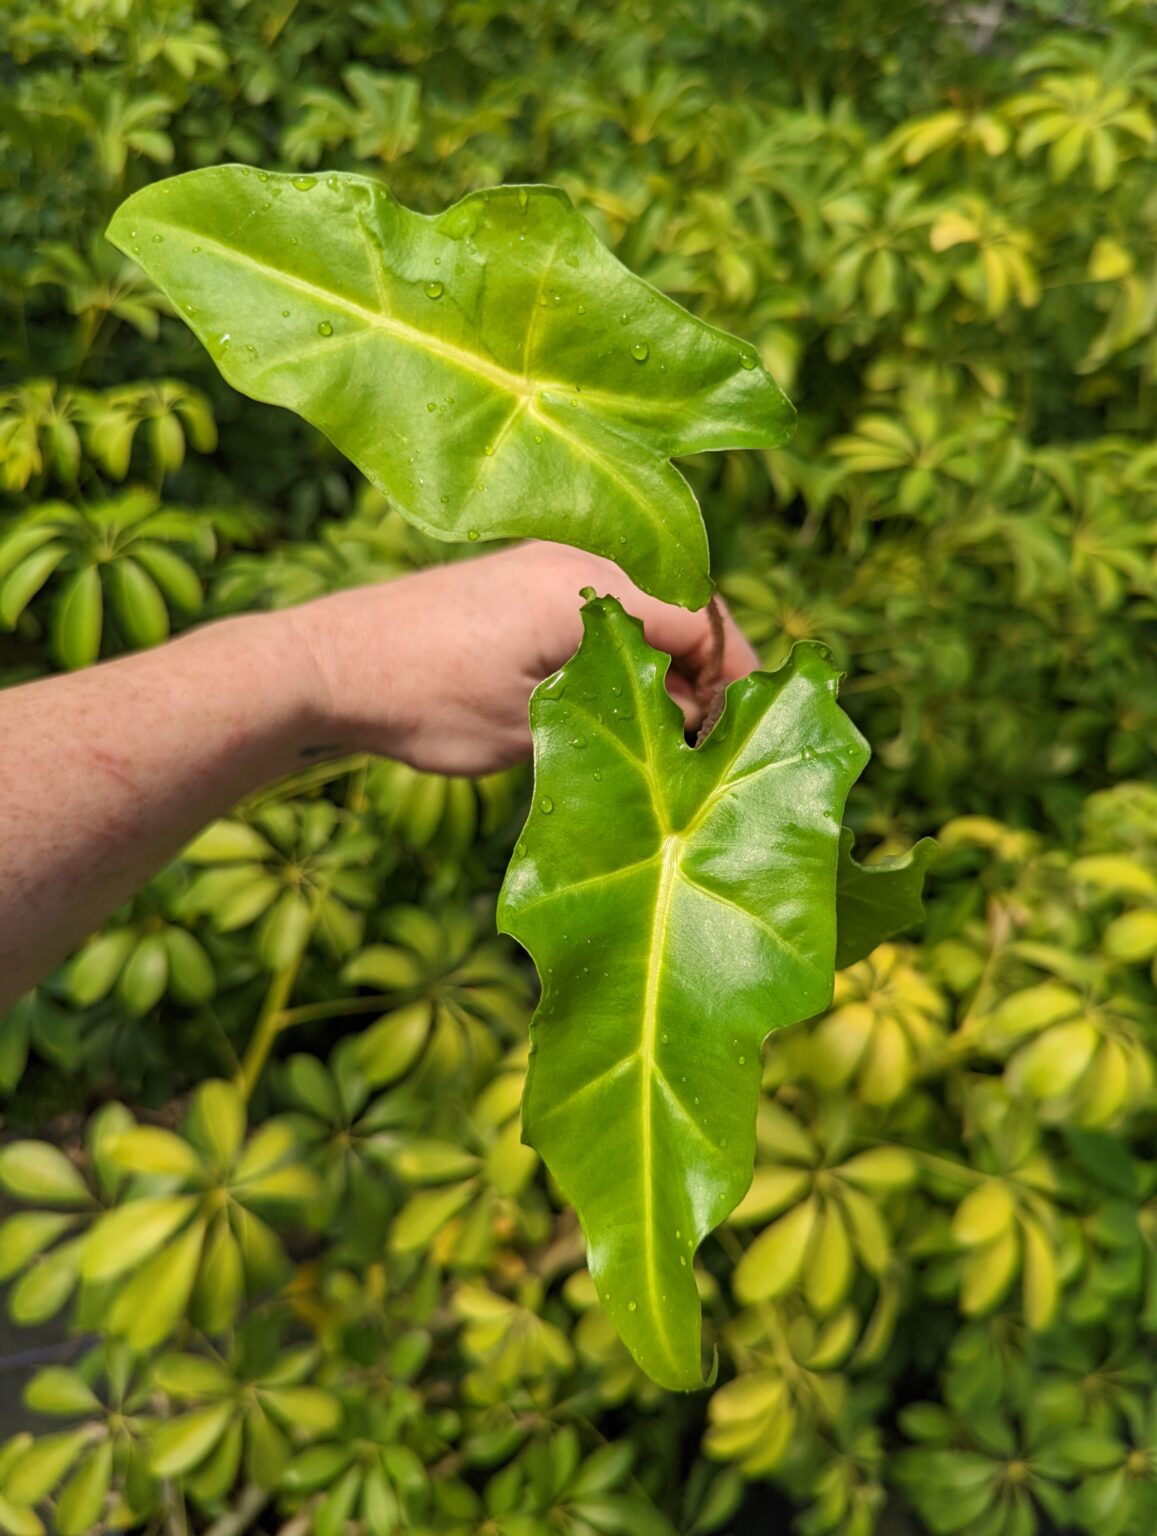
x=307, y=1013
x=250, y=1504
x=270, y=1023
x=709, y=687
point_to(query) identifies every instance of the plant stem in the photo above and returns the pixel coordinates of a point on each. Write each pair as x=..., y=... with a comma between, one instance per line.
x=270, y=1022
x=709, y=687
x=250, y=1504
x=307, y=1013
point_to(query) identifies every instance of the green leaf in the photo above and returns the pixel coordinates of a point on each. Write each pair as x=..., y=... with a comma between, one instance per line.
x=220, y=1280
x=213, y=1477
x=26, y=581
x=149, y=1149
x=284, y=930
x=19, y=1520
x=184, y=1442
x=227, y=842
x=155, y=1299
x=174, y=576
x=41, y=1292
x=191, y=1376
x=142, y=983
x=336, y=1507
x=97, y=966
x=82, y=1500
x=25, y=1235
x=192, y=978
x=56, y=1390
x=216, y=1121
x=875, y=901
x=494, y=369
x=317, y=1467
x=139, y=607
x=43, y=1465
x=36, y=1171
x=671, y=940
x=77, y=619
x=426, y=1214
x=307, y=1407
x=128, y=1234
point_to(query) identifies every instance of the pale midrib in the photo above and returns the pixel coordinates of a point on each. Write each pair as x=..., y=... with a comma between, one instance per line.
x=668, y=878
x=519, y=385
x=510, y=383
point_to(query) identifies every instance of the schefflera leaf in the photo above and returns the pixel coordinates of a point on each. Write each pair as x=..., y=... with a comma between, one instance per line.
x=493, y=369
x=679, y=904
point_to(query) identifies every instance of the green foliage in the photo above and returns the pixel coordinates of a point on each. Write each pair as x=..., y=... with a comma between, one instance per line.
x=492, y=327
x=958, y=1326
x=639, y=1038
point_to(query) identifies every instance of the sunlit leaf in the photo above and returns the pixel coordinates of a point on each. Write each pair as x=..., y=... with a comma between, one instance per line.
x=678, y=905
x=494, y=369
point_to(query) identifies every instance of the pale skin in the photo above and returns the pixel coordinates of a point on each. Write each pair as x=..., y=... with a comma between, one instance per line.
x=105, y=774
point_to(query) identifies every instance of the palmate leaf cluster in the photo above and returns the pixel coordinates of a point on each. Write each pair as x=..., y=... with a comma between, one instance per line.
x=935, y=1307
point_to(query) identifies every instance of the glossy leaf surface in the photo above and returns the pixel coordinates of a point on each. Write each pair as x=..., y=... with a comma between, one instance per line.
x=494, y=369
x=679, y=905
x=876, y=901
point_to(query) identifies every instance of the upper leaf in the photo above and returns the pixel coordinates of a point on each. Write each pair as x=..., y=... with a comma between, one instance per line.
x=494, y=369
x=679, y=904
x=875, y=901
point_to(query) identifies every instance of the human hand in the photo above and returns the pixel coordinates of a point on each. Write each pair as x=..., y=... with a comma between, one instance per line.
x=436, y=669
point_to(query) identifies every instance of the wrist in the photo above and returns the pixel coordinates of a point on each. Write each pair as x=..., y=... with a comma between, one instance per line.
x=347, y=703
x=265, y=683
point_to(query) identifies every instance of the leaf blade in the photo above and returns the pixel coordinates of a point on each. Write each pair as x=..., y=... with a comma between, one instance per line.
x=336, y=296
x=727, y=850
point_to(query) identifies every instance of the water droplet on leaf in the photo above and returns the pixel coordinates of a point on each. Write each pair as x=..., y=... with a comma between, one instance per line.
x=325, y=329
x=303, y=183
x=640, y=351
x=434, y=290
x=546, y=805
x=431, y=405
x=473, y=535
x=747, y=361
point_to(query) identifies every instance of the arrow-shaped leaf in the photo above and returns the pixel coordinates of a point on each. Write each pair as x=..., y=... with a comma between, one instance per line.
x=875, y=901
x=679, y=904
x=494, y=369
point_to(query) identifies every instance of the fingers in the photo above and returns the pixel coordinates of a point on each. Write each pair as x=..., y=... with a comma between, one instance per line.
x=739, y=655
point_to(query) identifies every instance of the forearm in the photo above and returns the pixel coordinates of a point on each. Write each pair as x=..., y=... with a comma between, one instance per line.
x=106, y=774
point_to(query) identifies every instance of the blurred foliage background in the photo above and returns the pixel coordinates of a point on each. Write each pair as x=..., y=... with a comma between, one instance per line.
x=261, y=1171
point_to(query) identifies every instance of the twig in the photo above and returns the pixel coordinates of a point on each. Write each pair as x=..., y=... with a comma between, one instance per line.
x=249, y=1506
